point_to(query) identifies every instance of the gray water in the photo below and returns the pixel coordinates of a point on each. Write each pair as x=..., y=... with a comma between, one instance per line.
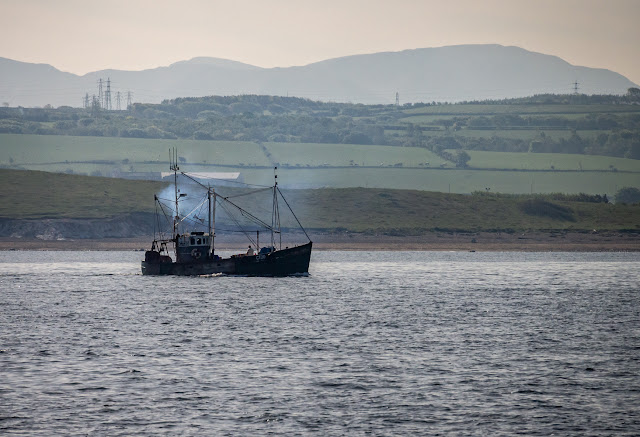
x=382, y=343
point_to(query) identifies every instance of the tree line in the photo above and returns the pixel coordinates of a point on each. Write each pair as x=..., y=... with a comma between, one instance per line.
x=292, y=119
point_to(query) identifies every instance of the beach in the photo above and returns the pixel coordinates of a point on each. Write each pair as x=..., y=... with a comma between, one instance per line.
x=553, y=241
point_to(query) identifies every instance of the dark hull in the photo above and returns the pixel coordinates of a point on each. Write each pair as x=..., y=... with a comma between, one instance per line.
x=283, y=262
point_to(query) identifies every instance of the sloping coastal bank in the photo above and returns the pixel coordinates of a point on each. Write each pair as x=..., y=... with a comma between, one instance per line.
x=434, y=241
x=93, y=213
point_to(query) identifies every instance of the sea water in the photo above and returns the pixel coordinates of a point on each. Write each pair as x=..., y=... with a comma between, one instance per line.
x=370, y=343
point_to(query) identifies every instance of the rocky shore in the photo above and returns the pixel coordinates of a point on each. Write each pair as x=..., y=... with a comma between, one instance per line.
x=125, y=226
x=552, y=241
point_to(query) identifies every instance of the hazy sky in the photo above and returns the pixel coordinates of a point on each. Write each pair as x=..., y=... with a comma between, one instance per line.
x=80, y=36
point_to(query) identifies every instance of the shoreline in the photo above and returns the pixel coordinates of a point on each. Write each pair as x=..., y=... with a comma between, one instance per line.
x=437, y=241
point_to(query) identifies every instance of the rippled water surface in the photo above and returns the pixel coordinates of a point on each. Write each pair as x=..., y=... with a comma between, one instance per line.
x=382, y=343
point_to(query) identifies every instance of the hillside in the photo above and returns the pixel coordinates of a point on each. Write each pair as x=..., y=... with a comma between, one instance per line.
x=313, y=165
x=42, y=195
x=64, y=202
x=541, y=144
x=453, y=73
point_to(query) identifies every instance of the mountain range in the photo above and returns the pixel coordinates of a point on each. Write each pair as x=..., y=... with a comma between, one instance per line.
x=452, y=73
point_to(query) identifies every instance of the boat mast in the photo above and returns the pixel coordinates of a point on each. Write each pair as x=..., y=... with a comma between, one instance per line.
x=212, y=219
x=173, y=165
x=275, y=216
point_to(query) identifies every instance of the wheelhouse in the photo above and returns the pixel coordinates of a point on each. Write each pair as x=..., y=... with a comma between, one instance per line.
x=193, y=246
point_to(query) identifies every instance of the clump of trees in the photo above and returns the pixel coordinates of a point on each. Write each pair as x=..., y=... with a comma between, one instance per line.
x=459, y=157
x=293, y=119
x=629, y=195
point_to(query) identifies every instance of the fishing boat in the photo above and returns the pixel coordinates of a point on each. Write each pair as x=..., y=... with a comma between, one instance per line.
x=188, y=251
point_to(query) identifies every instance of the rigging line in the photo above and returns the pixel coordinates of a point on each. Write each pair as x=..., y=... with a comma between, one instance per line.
x=242, y=211
x=195, y=180
x=239, y=225
x=241, y=183
x=186, y=217
x=157, y=223
x=163, y=212
x=198, y=223
x=224, y=180
x=294, y=214
x=193, y=222
x=164, y=204
x=246, y=194
x=191, y=212
x=154, y=222
x=230, y=230
x=195, y=216
x=249, y=215
x=164, y=200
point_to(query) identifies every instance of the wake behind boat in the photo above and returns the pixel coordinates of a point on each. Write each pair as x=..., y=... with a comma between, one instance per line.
x=194, y=250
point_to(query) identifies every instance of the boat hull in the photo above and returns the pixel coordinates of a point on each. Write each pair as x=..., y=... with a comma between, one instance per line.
x=283, y=262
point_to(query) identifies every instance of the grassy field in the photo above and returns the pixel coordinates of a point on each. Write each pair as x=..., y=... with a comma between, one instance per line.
x=409, y=211
x=56, y=153
x=316, y=165
x=33, y=195
x=544, y=161
x=482, y=109
x=439, y=115
x=455, y=181
x=443, y=180
x=303, y=154
x=38, y=149
x=517, y=134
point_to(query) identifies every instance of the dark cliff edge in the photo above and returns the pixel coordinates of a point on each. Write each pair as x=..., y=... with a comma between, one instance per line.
x=124, y=226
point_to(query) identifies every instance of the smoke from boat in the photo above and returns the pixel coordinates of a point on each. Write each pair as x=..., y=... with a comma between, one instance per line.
x=229, y=218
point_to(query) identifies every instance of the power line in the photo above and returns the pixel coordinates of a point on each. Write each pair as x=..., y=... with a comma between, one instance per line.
x=100, y=96
x=95, y=106
x=104, y=98
x=107, y=96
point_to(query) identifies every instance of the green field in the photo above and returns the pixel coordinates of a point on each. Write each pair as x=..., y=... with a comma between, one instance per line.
x=555, y=121
x=483, y=109
x=443, y=180
x=342, y=155
x=520, y=134
x=38, y=195
x=409, y=211
x=544, y=161
x=38, y=149
x=455, y=181
x=57, y=153
x=324, y=165
x=35, y=194
x=517, y=134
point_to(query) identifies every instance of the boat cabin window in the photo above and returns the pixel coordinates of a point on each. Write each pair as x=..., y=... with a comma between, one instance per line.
x=195, y=241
